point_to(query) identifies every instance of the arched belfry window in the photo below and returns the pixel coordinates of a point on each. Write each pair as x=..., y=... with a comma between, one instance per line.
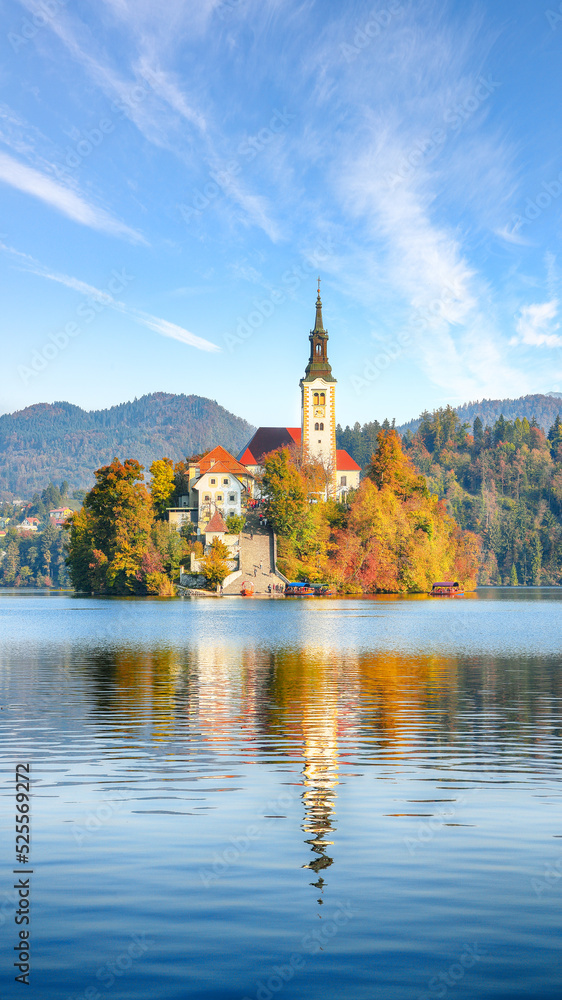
x=321, y=428
x=319, y=348
x=316, y=427
x=322, y=399
x=315, y=399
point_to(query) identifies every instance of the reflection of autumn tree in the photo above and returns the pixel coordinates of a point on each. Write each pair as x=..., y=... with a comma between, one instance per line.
x=135, y=685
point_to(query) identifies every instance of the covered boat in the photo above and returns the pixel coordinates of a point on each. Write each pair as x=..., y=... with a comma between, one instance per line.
x=298, y=589
x=447, y=588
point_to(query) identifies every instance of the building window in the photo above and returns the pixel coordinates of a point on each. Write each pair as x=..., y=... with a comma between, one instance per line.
x=225, y=482
x=232, y=498
x=213, y=482
x=219, y=496
x=316, y=427
x=321, y=427
x=343, y=481
x=322, y=399
x=316, y=399
x=318, y=349
x=207, y=497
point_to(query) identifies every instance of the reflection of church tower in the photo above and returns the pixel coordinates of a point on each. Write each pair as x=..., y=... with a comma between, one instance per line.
x=320, y=754
x=318, y=405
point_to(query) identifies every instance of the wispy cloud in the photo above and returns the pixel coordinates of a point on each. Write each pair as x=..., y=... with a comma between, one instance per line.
x=164, y=106
x=537, y=323
x=167, y=115
x=62, y=199
x=161, y=326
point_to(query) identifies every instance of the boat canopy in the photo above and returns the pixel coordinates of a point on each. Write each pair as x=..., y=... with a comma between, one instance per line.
x=447, y=583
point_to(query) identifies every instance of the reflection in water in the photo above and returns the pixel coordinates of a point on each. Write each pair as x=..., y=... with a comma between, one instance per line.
x=216, y=769
x=310, y=706
x=320, y=754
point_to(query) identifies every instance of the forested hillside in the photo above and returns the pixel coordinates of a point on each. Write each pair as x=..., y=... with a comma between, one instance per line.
x=54, y=442
x=500, y=477
x=542, y=409
x=503, y=482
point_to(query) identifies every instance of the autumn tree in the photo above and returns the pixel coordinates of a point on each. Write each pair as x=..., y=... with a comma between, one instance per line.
x=110, y=535
x=391, y=469
x=162, y=486
x=214, y=566
x=286, y=495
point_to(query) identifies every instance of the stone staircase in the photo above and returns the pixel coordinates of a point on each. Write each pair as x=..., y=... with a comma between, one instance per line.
x=257, y=560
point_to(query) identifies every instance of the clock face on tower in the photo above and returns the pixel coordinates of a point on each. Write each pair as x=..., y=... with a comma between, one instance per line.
x=319, y=411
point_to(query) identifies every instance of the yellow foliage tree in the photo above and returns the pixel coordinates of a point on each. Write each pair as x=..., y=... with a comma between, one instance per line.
x=162, y=486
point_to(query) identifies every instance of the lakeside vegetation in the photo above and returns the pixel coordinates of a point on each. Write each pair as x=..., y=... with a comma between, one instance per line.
x=480, y=503
x=502, y=482
x=391, y=536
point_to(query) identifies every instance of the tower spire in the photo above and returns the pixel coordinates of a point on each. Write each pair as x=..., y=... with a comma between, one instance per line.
x=318, y=364
x=319, y=324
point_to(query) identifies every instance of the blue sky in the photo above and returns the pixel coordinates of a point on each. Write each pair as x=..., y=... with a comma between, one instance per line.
x=173, y=177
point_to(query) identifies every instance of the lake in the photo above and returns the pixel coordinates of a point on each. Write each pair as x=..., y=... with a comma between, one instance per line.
x=236, y=799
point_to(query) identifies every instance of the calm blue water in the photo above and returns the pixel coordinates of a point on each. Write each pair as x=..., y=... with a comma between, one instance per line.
x=250, y=799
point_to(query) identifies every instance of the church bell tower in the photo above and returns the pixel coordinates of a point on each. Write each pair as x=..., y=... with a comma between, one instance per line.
x=318, y=399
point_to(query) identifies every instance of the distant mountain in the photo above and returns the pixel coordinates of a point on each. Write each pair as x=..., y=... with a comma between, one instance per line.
x=544, y=409
x=53, y=442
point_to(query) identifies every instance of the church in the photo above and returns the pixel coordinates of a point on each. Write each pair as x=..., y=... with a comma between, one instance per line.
x=317, y=433
x=221, y=485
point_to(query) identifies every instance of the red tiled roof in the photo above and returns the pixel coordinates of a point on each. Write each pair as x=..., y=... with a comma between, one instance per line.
x=268, y=439
x=220, y=467
x=220, y=454
x=216, y=523
x=345, y=463
x=246, y=458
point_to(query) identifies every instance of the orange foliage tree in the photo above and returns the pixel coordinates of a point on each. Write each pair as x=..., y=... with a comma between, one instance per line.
x=398, y=537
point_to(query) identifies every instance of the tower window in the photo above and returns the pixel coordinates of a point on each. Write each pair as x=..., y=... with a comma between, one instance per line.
x=322, y=399
x=316, y=399
x=318, y=348
x=321, y=428
x=316, y=427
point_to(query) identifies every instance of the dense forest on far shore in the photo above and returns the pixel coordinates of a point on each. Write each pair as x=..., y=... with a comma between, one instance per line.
x=503, y=481
x=543, y=409
x=49, y=443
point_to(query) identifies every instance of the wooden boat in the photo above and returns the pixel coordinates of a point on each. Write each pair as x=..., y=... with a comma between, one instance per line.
x=323, y=590
x=247, y=589
x=447, y=588
x=298, y=589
